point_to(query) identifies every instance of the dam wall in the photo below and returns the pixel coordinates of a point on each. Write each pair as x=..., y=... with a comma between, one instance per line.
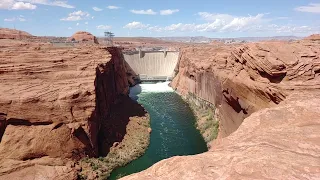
x=152, y=65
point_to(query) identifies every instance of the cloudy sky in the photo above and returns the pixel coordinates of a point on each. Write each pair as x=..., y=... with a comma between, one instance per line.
x=212, y=18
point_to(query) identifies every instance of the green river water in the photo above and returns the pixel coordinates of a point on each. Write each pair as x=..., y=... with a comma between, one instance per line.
x=173, y=128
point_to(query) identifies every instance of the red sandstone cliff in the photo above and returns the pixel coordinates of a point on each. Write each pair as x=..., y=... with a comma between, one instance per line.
x=13, y=34
x=52, y=103
x=281, y=142
x=267, y=102
x=240, y=80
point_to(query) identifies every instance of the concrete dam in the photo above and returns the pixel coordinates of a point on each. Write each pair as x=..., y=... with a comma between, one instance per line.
x=152, y=65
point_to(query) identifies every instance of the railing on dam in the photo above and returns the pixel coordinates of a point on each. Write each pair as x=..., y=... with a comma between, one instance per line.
x=152, y=65
x=143, y=77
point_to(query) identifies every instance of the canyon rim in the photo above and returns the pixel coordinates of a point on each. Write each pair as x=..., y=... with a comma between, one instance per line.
x=112, y=92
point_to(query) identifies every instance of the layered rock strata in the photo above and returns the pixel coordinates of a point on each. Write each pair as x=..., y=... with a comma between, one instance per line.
x=266, y=97
x=6, y=33
x=52, y=105
x=240, y=80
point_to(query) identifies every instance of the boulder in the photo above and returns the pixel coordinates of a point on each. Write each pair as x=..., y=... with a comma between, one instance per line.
x=83, y=36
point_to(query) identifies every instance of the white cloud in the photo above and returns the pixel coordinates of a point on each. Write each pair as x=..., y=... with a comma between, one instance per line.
x=77, y=24
x=223, y=23
x=169, y=11
x=311, y=8
x=79, y=13
x=183, y=27
x=215, y=27
x=58, y=3
x=104, y=27
x=240, y=23
x=76, y=16
x=6, y=4
x=20, y=18
x=226, y=22
x=282, y=18
x=9, y=19
x=12, y=4
x=69, y=28
x=136, y=25
x=113, y=7
x=155, y=28
x=30, y=4
x=148, y=12
x=96, y=9
x=289, y=29
x=72, y=18
x=22, y=5
x=86, y=23
x=213, y=16
x=215, y=23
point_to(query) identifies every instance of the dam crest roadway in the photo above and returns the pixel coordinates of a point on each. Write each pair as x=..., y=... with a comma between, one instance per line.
x=152, y=65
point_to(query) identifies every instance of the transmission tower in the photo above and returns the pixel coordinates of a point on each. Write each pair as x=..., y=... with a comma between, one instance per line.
x=109, y=37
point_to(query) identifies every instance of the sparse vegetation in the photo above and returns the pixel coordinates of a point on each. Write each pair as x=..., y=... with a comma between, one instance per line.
x=132, y=146
x=82, y=177
x=205, y=115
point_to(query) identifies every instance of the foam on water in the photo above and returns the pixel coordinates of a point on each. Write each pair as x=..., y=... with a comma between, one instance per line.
x=149, y=88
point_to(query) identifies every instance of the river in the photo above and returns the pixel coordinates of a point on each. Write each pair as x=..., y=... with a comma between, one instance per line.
x=173, y=127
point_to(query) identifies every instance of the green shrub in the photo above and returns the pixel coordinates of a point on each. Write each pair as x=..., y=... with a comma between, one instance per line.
x=95, y=166
x=86, y=160
x=82, y=176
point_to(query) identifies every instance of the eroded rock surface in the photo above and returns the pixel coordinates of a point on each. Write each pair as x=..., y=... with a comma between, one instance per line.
x=6, y=33
x=275, y=143
x=83, y=36
x=52, y=102
x=266, y=97
x=243, y=79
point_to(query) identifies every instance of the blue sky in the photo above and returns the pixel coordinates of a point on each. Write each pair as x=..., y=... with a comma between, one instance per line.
x=212, y=18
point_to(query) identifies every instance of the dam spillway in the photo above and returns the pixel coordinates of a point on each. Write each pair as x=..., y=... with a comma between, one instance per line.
x=152, y=65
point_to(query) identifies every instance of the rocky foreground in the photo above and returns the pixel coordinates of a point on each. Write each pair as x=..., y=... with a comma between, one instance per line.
x=267, y=101
x=54, y=104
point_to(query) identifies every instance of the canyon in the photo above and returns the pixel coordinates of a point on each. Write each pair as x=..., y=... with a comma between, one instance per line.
x=266, y=98
x=60, y=107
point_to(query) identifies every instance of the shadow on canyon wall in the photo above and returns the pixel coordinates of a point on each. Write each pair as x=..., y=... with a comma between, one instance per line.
x=114, y=128
x=2, y=124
